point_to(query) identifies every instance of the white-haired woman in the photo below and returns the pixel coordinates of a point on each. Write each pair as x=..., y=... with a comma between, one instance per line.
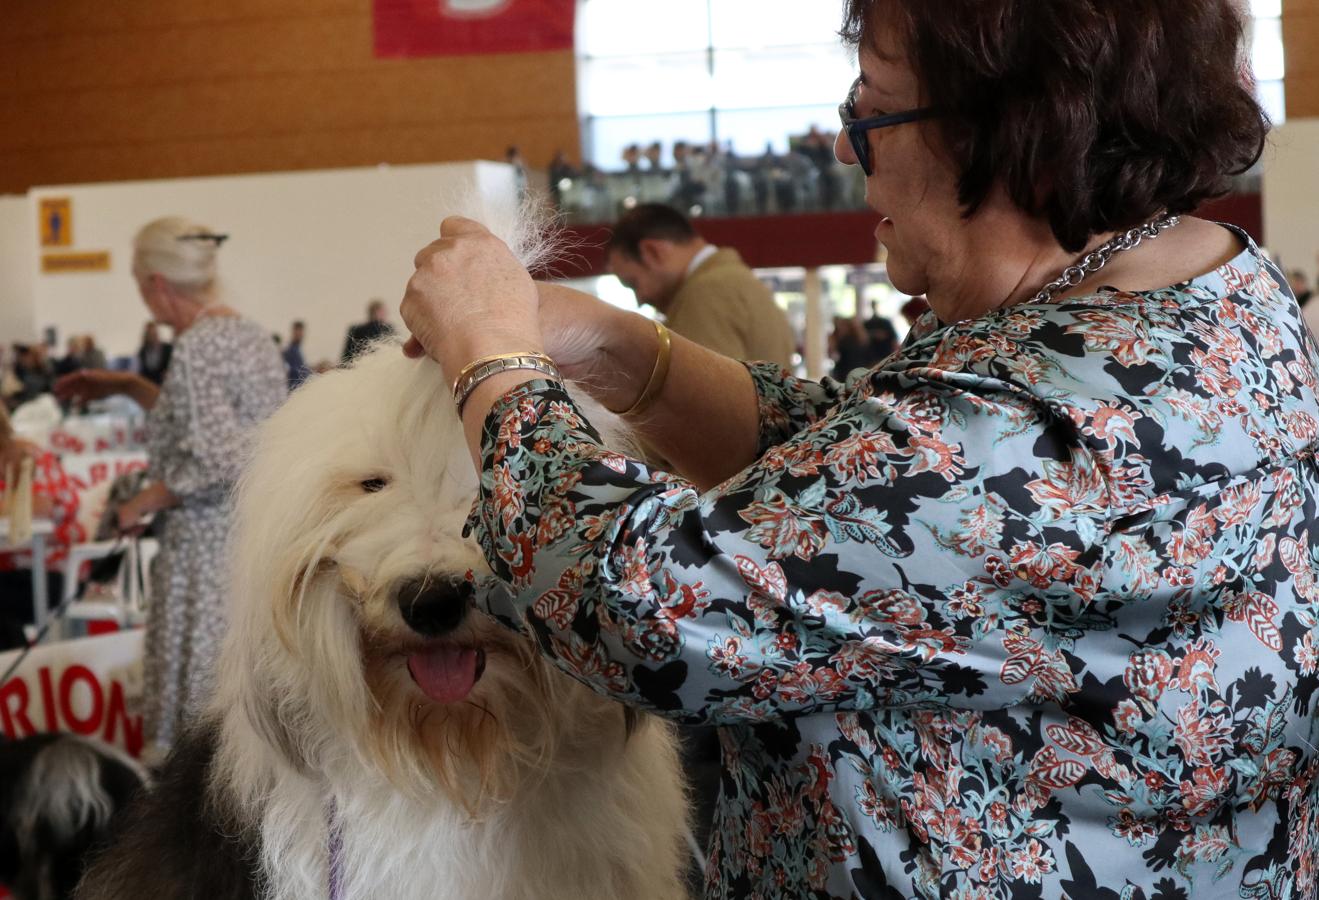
x=225, y=376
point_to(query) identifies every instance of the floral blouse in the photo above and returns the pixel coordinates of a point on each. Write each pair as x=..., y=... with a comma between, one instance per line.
x=1026, y=611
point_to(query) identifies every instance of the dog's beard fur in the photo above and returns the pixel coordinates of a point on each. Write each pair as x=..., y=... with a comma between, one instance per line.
x=475, y=752
x=315, y=703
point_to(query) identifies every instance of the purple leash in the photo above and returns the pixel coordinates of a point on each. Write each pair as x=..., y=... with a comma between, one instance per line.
x=335, y=849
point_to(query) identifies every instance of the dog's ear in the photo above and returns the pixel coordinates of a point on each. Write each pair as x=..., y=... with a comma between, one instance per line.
x=288, y=603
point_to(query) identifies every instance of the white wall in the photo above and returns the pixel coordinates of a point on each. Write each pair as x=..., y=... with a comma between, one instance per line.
x=314, y=245
x=18, y=235
x=1291, y=194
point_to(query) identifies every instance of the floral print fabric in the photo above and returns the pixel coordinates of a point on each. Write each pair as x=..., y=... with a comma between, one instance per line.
x=1026, y=611
x=225, y=377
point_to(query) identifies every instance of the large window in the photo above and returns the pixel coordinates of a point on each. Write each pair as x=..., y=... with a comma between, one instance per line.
x=1266, y=57
x=750, y=73
x=743, y=73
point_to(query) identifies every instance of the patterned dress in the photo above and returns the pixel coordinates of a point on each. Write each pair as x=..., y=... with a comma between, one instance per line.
x=225, y=376
x=1026, y=611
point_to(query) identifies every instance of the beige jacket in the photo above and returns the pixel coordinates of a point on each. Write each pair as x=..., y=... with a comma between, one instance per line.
x=723, y=306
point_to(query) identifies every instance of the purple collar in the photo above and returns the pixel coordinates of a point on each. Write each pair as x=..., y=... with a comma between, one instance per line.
x=334, y=848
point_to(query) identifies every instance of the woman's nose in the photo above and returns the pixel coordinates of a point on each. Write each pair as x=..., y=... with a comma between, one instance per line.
x=843, y=151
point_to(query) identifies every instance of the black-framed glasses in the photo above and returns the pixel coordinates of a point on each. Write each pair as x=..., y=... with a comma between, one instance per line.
x=857, y=129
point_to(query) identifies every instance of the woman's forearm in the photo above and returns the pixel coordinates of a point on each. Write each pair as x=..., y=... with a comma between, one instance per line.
x=705, y=422
x=142, y=391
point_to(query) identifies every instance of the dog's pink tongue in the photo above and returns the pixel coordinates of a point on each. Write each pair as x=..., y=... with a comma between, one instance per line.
x=445, y=674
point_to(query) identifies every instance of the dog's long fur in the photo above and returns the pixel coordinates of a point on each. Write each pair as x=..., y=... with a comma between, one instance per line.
x=532, y=787
x=59, y=795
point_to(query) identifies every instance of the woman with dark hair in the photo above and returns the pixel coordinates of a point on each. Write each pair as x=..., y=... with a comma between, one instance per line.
x=1029, y=608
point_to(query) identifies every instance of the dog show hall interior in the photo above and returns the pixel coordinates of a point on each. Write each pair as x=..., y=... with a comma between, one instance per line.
x=609, y=449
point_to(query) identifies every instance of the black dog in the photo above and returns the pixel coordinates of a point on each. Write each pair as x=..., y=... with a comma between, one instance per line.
x=176, y=841
x=59, y=796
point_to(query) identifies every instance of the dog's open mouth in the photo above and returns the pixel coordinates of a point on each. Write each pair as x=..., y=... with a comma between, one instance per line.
x=446, y=673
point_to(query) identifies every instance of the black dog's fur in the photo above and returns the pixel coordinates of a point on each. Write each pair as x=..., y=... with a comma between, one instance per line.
x=174, y=843
x=45, y=857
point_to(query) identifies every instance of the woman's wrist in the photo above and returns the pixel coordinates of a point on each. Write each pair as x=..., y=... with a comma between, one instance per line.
x=631, y=356
x=461, y=353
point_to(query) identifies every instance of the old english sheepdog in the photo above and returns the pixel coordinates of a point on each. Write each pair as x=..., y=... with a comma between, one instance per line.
x=371, y=736
x=60, y=796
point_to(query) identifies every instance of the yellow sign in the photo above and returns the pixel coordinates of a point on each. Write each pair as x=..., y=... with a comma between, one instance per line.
x=56, y=222
x=61, y=263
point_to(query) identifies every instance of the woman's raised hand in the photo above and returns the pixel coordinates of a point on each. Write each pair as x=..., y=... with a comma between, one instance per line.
x=469, y=297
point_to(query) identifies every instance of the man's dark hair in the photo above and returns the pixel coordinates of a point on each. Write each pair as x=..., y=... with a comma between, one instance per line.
x=1096, y=114
x=299, y=324
x=650, y=221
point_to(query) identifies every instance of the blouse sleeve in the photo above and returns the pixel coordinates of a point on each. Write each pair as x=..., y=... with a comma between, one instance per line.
x=789, y=404
x=928, y=542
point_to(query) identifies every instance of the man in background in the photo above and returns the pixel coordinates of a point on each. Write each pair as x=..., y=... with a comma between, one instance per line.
x=1300, y=283
x=707, y=294
x=360, y=336
x=293, y=358
x=153, y=355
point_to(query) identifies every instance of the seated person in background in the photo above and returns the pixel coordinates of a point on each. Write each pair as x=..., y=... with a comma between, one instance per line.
x=71, y=361
x=154, y=354
x=34, y=372
x=91, y=355
x=360, y=336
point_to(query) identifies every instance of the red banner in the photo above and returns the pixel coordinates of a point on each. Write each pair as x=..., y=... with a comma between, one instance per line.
x=456, y=27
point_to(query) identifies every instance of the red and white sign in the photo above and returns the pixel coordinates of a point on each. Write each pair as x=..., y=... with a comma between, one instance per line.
x=91, y=476
x=458, y=27
x=91, y=687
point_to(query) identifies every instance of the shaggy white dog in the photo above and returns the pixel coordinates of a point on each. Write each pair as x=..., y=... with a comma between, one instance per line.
x=371, y=736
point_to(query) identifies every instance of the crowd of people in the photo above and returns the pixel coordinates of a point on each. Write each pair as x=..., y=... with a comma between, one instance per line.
x=709, y=180
x=27, y=370
x=1022, y=607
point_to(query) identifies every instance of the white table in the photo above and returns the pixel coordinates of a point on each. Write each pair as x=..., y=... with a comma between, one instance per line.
x=41, y=530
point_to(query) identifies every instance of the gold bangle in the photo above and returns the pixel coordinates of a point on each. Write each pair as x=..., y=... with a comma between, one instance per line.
x=537, y=362
x=496, y=357
x=658, y=375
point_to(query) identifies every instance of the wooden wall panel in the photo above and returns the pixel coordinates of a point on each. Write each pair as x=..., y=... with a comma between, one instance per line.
x=1300, y=33
x=95, y=91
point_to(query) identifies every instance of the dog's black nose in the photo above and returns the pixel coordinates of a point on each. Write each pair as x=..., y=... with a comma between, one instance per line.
x=435, y=605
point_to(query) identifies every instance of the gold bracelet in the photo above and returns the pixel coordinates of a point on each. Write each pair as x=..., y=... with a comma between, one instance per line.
x=658, y=375
x=496, y=357
x=537, y=362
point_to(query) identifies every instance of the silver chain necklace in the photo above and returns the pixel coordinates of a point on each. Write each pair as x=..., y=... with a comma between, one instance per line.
x=1096, y=259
